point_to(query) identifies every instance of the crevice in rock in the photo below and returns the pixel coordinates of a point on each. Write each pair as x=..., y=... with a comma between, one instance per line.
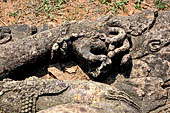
x=150, y=26
x=139, y=57
x=167, y=44
x=154, y=21
x=166, y=84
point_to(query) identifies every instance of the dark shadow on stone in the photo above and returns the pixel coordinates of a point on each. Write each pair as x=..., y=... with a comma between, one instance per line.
x=31, y=69
x=128, y=70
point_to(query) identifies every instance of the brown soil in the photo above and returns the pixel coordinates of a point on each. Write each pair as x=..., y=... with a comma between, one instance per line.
x=26, y=11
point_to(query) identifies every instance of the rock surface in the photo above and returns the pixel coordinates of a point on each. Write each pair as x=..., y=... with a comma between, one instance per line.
x=34, y=94
x=132, y=54
x=72, y=108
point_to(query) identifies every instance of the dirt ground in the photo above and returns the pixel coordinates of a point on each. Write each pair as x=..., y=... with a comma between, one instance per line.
x=37, y=13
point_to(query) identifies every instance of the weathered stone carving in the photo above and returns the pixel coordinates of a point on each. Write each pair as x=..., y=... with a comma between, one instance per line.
x=5, y=35
x=12, y=42
x=72, y=108
x=114, y=36
x=146, y=92
x=24, y=94
x=151, y=50
x=34, y=94
x=137, y=47
x=58, y=42
x=97, y=54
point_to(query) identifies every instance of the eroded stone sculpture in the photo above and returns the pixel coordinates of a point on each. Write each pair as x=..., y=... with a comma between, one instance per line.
x=34, y=94
x=135, y=49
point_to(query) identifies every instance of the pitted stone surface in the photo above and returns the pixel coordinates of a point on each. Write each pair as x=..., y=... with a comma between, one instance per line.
x=17, y=96
x=152, y=49
x=145, y=91
x=72, y=108
x=34, y=94
x=53, y=43
x=134, y=50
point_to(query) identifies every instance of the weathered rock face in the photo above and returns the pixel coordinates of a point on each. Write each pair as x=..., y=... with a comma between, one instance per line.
x=101, y=45
x=35, y=94
x=135, y=50
x=14, y=47
x=146, y=92
x=113, y=41
x=72, y=108
x=152, y=49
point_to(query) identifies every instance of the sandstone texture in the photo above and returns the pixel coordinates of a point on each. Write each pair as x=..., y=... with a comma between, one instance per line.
x=125, y=62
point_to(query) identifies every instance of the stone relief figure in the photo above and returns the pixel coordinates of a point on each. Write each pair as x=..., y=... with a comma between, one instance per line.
x=132, y=51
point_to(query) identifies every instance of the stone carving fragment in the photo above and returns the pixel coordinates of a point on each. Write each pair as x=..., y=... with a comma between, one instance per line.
x=33, y=94
x=152, y=49
x=137, y=47
x=72, y=108
x=147, y=92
